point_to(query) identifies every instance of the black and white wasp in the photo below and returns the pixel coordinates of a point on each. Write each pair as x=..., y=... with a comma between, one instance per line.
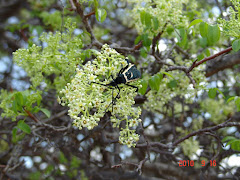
x=125, y=75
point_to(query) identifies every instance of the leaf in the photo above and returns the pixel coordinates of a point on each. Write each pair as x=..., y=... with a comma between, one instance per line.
x=228, y=138
x=148, y=20
x=155, y=23
x=172, y=84
x=88, y=53
x=46, y=112
x=212, y=93
x=24, y=127
x=220, y=92
x=203, y=42
x=194, y=22
x=154, y=82
x=213, y=34
x=14, y=135
x=19, y=98
x=168, y=74
x=182, y=40
x=207, y=52
x=143, y=89
x=146, y=40
x=237, y=102
x=62, y=158
x=203, y=29
x=142, y=17
x=96, y=4
x=235, y=145
x=39, y=29
x=200, y=56
x=101, y=15
x=143, y=52
x=34, y=110
x=236, y=45
x=233, y=142
x=160, y=76
x=138, y=39
x=230, y=99
x=14, y=106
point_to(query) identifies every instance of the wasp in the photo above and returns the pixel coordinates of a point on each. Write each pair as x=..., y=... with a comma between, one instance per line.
x=126, y=75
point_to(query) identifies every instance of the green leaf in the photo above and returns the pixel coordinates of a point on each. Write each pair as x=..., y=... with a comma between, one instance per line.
x=143, y=52
x=228, y=138
x=138, y=39
x=220, y=92
x=142, y=17
x=160, y=76
x=200, y=56
x=24, y=127
x=19, y=98
x=62, y=158
x=168, y=74
x=172, y=84
x=155, y=23
x=143, y=89
x=207, y=52
x=35, y=175
x=154, y=82
x=96, y=4
x=194, y=22
x=46, y=112
x=213, y=34
x=230, y=99
x=237, y=102
x=203, y=42
x=146, y=40
x=203, y=29
x=14, y=135
x=14, y=106
x=146, y=19
x=236, y=45
x=101, y=15
x=39, y=30
x=212, y=93
x=34, y=110
x=235, y=145
x=75, y=162
x=182, y=40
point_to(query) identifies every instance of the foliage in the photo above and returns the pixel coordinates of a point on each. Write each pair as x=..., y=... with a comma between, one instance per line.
x=82, y=95
x=71, y=50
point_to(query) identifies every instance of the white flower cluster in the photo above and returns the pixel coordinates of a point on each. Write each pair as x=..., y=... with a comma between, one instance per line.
x=164, y=11
x=183, y=88
x=88, y=101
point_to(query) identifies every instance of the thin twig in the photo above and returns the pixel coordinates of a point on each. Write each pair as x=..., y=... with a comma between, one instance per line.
x=195, y=63
x=156, y=38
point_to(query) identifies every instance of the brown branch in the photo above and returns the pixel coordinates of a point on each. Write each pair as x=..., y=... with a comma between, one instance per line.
x=156, y=38
x=200, y=131
x=138, y=46
x=195, y=63
x=32, y=116
x=185, y=70
x=79, y=10
x=209, y=129
x=141, y=163
x=90, y=14
x=222, y=62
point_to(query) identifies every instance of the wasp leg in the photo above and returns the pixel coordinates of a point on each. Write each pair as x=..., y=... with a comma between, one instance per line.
x=133, y=87
x=113, y=99
x=103, y=85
